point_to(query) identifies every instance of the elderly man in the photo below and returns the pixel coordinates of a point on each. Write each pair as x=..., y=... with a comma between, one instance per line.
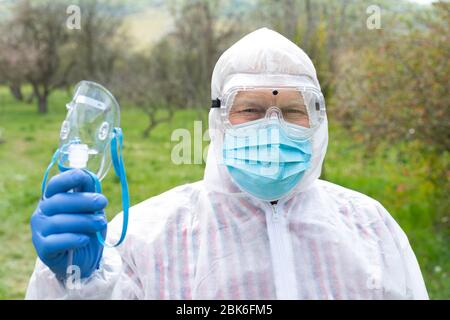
x=260, y=225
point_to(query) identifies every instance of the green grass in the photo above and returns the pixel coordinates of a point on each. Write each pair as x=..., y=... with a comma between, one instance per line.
x=402, y=186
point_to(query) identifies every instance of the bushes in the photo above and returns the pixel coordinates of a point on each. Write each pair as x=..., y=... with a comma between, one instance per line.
x=397, y=89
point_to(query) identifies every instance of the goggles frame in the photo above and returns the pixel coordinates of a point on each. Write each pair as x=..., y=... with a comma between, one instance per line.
x=316, y=111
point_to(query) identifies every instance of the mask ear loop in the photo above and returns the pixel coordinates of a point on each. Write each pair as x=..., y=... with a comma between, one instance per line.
x=119, y=169
x=47, y=171
x=49, y=167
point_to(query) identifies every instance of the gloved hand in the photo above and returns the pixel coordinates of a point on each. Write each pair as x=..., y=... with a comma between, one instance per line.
x=66, y=221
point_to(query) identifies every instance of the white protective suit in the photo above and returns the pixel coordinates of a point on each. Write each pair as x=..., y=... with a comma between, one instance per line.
x=209, y=240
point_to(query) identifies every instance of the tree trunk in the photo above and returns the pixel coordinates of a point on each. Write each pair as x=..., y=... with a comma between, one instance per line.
x=151, y=125
x=1, y=136
x=42, y=103
x=16, y=91
x=41, y=97
x=309, y=28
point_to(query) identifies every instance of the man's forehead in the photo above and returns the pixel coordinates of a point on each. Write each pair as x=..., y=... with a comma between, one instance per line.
x=268, y=94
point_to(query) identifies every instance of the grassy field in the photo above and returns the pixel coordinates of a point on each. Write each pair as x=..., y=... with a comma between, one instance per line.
x=399, y=178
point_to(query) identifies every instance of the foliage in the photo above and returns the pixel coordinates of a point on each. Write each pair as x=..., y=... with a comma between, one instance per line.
x=397, y=90
x=38, y=49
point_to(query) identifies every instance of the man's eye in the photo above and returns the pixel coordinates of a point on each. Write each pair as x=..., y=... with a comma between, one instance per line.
x=296, y=111
x=250, y=110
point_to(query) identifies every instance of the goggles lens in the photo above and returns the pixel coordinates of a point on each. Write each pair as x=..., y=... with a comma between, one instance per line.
x=296, y=107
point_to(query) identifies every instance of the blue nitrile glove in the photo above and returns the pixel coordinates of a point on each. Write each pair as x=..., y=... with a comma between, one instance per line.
x=66, y=221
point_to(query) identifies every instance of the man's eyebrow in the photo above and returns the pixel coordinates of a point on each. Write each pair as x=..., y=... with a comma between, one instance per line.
x=293, y=102
x=248, y=101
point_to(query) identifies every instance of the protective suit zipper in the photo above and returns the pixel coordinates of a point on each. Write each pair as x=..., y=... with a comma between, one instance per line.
x=276, y=215
x=281, y=252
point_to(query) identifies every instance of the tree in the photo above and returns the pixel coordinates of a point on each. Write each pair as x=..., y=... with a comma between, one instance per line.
x=200, y=35
x=36, y=48
x=99, y=44
x=11, y=62
x=151, y=82
x=321, y=28
x=397, y=89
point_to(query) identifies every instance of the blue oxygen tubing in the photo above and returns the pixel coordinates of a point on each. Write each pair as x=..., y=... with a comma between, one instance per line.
x=119, y=169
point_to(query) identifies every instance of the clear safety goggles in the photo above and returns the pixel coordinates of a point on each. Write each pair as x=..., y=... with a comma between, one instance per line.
x=300, y=110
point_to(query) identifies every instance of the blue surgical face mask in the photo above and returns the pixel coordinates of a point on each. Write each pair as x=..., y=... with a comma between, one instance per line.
x=264, y=161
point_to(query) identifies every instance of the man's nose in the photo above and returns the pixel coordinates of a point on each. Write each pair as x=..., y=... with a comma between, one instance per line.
x=274, y=113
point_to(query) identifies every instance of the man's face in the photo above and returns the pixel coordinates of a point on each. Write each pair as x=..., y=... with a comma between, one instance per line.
x=252, y=105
